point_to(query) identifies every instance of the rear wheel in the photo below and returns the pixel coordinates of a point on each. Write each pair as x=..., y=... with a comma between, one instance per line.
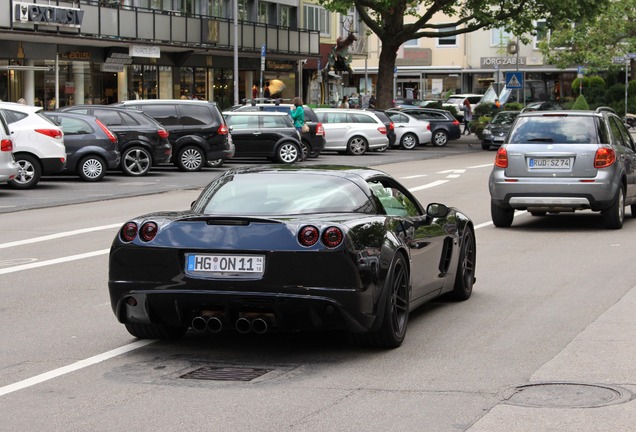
x=409, y=141
x=465, y=277
x=357, y=146
x=440, y=138
x=288, y=153
x=501, y=217
x=614, y=216
x=29, y=172
x=190, y=158
x=136, y=161
x=151, y=331
x=91, y=168
x=216, y=163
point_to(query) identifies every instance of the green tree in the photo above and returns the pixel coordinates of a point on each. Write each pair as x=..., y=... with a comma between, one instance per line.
x=592, y=41
x=386, y=18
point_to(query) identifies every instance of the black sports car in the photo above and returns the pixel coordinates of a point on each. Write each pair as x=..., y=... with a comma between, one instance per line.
x=291, y=248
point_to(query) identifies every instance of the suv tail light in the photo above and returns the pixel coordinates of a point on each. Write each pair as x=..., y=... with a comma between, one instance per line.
x=604, y=157
x=382, y=130
x=456, y=122
x=53, y=133
x=6, y=145
x=107, y=131
x=223, y=130
x=163, y=133
x=391, y=126
x=501, y=160
x=320, y=130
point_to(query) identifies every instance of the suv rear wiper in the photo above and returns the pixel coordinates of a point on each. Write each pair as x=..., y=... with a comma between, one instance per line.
x=546, y=139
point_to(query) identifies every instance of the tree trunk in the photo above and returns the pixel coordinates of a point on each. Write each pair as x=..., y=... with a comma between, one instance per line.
x=385, y=76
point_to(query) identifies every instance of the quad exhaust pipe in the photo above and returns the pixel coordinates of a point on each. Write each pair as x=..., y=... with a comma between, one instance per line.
x=258, y=323
x=207, y=323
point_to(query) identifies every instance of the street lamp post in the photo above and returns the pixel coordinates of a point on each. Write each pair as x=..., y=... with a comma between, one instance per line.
x=236, y=68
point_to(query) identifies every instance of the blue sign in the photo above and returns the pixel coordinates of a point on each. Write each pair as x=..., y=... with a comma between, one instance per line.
x=263, y=49
x=514, y=80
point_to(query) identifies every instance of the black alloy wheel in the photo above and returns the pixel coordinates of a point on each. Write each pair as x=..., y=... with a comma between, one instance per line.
x=465, y=276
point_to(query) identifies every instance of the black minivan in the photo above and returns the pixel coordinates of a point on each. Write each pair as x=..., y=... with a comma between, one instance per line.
x=198, y=132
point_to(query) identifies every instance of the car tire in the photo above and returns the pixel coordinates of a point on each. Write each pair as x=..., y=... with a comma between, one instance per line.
x=91, y=168
x=304, y=151
x=29, y=172
x=190, y=158
x=313, y=154
x=150, y=331
x=633, y=209
x=216, y=163
x=614, y=216
x=465, y=276
x=136, y=161
x=396, y=310
x=381, y=149
x=288, y=153
x=501, y=217
x=357, y=146
x=440, y=138
x=409, y=141
x=538, y=213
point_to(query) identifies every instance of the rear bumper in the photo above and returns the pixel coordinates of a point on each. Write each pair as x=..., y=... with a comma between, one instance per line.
x=53, y=165
x=162, y=154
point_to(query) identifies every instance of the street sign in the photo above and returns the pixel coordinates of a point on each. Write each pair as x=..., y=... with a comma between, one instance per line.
x=619, y=60
x=632, y=56
x=514, y=80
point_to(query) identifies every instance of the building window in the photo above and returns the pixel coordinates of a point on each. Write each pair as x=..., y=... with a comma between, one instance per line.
x=263, y=12
x=412, y=43
x=317, y=18
x=447, y=41
x=284, y=16
x=499, y=37
x=542, y=33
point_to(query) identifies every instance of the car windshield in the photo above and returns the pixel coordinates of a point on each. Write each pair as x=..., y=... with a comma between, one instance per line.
x=281, y=195
x=504, y=118
x=561, y=129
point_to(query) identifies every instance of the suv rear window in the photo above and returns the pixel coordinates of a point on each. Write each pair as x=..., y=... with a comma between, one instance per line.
x=562, y=129
x=195, y=115
x=164, y=113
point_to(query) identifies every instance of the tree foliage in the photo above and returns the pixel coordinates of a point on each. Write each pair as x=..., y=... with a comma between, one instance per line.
x=388, y=20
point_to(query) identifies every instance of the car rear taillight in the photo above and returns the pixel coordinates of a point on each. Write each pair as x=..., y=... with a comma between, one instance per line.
x=391, y=126
x=129, y=231
x=223, y=130
x=604, y=157
x=501, y=160
x=428, y=126
x=53, y=133
x=320, y=130
x=148, y=231
x=308, y=235
x=6, y=145
x=108, y=133
x=382, y=130
x=163, y=133
x=332, y=237
x=456, y=122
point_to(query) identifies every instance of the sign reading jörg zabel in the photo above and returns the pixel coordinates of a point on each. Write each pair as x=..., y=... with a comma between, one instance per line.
x=31, y=13
x=502, y=62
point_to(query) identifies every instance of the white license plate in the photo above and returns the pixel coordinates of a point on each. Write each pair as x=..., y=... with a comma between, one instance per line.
x=549, y=163
x=225, y=265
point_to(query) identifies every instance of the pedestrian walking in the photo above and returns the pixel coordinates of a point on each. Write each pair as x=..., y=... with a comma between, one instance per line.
x=468, y=116
x=298, y=116
x=344, y=103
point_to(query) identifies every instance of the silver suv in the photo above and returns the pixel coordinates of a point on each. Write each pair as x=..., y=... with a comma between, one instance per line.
x=563, y=161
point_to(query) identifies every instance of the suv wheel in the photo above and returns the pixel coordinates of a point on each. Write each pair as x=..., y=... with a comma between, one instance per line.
x=91, y=168
x=440, y=138
x=614, y=216
x=501, y=217
x=136, y=161
x=29, y=173
x=287, y=153
x=190, y=158
x=357, y=146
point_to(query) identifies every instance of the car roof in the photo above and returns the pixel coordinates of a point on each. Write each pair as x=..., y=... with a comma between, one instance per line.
x=20, y=107
x=164, y=101
x=253, y=113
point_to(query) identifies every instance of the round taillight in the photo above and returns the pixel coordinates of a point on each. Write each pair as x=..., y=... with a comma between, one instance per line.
x=148, y=231
x=308, y=235
x=129, y=232
x=332, y=237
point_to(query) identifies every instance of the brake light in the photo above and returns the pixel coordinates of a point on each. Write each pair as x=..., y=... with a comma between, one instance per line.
x=332, y=237
x=604, y=157
x=308, y=235
x=428, y=126
x=391, y=126
x=108, y=133
x=53, y=133
x=223, y=130
x=148, y=231
x=382, y=130
x=501, y=160
x=6, y=145
x=129, y=231
x=320, y=131
x=163, y=133
x=456, y=122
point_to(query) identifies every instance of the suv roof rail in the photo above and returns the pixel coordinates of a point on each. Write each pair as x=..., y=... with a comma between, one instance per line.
x=605, y=108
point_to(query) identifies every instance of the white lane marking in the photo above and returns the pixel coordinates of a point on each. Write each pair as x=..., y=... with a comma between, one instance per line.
x=452, y=176
x=53, y=261
x=428, y=185
x=73, y=367
x=414, y=176
x=455, y=171
x=481, y=166
x=56, y=236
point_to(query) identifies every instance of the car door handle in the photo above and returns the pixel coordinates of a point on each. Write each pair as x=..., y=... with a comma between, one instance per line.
x=256, y=133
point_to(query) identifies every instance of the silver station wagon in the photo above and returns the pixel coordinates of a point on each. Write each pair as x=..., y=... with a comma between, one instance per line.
x=564, y=161
x=352, y=131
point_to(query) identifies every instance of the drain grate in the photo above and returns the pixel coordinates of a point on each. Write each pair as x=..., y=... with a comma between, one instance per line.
x=212, y=373
x=568, y=395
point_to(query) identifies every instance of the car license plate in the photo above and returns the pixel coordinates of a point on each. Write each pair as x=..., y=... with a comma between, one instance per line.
x=222, y=265
x=549, y=163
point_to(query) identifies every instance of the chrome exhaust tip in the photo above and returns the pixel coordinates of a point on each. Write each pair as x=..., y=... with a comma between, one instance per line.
x=259, y=325
x=199, y=324
x=215, y=325
x=243, y=325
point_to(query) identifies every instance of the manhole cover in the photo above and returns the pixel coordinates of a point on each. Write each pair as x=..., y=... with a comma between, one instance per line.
x=567, y=395
x=225, y=373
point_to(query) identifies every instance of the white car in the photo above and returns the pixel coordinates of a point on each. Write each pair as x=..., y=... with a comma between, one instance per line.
x=38, y=143
x=352, y=131
x=457, y=101
x=8, y=166
x=410, y=131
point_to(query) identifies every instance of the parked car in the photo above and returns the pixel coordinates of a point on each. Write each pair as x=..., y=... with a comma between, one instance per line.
x=457, y=101
x=564, y=161
x=542, y=106
x=143, y=142
x=314, y=140
x=410, y=131
x=279, y=248
x=268, y=134
x=388, y=123
x=409, y=103
x=352, y=131
x=91, y=148
x=198, y=133
x=38, y=143
x=496, y=130
x=444, y=126
x=8, y=167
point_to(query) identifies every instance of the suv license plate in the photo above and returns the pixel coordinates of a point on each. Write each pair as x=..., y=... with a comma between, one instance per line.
x=225, y=265
x=549, y=163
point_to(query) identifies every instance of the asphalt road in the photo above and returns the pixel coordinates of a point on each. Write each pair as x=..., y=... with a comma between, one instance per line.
x=553, y=303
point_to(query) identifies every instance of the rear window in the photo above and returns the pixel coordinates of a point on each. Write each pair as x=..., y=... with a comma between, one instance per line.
x=362, y=118
x=109, y=117
x=276, y=122
x=196, y=115
x=14, y=116
x=163, y=113
x=562, y=129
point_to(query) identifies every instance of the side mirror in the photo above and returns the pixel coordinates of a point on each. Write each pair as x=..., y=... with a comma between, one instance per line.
x=437, y=210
